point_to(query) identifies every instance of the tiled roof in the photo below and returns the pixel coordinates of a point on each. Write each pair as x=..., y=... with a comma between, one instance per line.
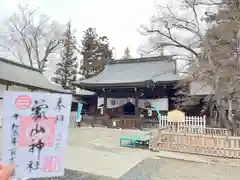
x=24, y=75
x=132, y=71
x=83, y=92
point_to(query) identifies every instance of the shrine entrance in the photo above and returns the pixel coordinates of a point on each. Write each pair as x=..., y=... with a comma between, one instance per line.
x=129, y=109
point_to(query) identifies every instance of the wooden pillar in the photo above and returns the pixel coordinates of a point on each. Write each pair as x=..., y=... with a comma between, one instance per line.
x=105, y=103
x=137, y=112
x=138, y=122
x=7, y=87
x=210, y=120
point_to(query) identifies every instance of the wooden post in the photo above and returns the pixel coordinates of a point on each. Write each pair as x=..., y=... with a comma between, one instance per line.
x=105, y=103
x=137, y=113
x=94, y=113
x=7, y=87
x=138, y=122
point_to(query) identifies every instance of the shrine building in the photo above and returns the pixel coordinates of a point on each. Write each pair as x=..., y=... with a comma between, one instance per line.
x=129, y=87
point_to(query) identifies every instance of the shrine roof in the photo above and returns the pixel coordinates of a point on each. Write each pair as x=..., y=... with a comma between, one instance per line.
x=83, y=92
x=134, y=73
x=24, y=75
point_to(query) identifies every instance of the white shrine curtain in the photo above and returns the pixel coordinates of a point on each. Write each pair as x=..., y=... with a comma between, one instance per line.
x=161, y=103
x=112, y=102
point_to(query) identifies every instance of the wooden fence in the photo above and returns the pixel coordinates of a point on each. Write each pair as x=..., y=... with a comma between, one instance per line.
x=194, y=123
x=204, y=143
x=199, y=130
x=197, y=122
x=125, y=122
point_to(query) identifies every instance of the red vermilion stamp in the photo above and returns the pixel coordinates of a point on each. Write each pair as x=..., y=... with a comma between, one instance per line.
x=51, y=164
x=32, y=131
x=23, y=102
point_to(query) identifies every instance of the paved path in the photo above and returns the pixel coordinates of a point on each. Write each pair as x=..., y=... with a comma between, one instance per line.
x=198, y=158
x=171, y=169
x=97, y=150
x=101, y=146
x=95, y=154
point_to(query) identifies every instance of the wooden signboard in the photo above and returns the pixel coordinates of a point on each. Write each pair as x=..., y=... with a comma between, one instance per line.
x=176, y=116
x=149, y=112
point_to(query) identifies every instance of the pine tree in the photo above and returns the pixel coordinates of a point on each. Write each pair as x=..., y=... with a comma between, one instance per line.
x=95, y=52
x=104, y=48
x=67, y=67
x=89, y=48
x=127, y=54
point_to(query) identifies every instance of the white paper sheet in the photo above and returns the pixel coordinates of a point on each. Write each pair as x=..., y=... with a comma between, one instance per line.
x=35, y=131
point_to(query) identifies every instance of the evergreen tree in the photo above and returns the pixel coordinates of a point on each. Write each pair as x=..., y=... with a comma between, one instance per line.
x=95, y=52
x=104, y=48
x=89, y=48
x=67, y=68
x=127, y=54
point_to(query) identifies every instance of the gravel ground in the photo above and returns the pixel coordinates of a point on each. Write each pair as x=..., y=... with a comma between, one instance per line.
x=163, y=169
x=76, y=175
x=171, y=169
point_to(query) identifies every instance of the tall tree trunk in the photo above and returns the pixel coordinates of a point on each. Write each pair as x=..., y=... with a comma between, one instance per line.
x=219, y=104
x=231, y=120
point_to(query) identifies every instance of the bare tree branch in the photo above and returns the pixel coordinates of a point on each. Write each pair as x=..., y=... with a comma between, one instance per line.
x=29, y=40
x=177, y=44
x=216, y=56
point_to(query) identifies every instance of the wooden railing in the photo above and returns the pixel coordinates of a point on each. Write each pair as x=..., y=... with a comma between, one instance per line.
x=192, y=123
x=199, y=130
x=204, y=143
x=124, y=122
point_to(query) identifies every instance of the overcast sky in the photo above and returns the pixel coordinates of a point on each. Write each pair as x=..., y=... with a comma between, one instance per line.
x=119, y=20
x=116, y=19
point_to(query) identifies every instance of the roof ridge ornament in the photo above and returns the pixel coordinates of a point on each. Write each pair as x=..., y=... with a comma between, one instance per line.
x=143, y=59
